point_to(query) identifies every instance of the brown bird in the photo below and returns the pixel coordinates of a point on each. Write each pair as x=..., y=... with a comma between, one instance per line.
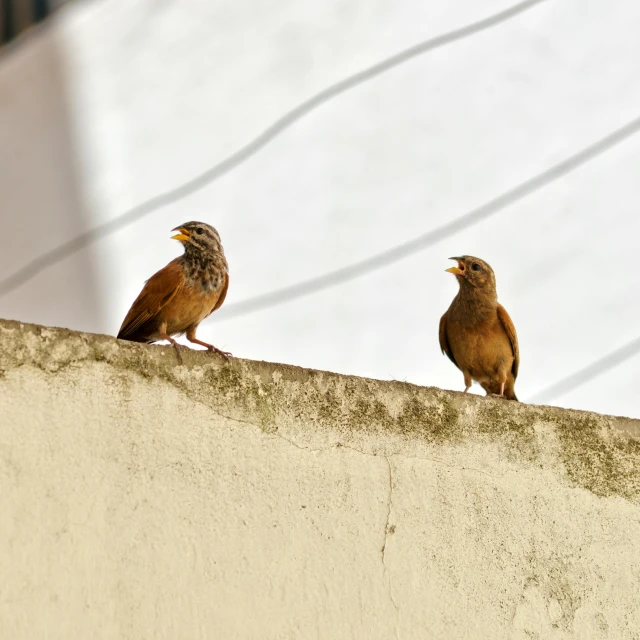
x=477, y=333
x=176, y=299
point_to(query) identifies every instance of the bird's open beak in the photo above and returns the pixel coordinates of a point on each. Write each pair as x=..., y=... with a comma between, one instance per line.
x=182, y=236
x=457, y=271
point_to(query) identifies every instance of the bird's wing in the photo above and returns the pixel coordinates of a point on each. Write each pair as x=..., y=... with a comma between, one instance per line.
x=509, y=327
x=444, y=342
x=223, y=293
x=157, y=292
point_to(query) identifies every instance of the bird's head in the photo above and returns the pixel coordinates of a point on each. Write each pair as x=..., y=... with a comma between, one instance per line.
x=473, y=272
x=198, y=237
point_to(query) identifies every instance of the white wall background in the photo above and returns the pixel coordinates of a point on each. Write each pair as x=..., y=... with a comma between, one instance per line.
x=158, y=92
x=42, y=200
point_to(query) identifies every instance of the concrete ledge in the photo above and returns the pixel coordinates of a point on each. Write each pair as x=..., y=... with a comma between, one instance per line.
x=259, y=498
x=323, y=409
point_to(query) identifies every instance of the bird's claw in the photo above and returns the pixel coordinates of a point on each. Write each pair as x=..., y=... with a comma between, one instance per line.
x=224, y=354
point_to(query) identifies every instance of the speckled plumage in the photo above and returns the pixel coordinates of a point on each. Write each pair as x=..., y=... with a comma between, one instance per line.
x=204, y=265
x=477, y=333
x=178, y=297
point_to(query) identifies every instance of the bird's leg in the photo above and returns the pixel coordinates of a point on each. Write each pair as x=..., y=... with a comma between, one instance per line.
x=467, y=381
x=191, y=337
x=176, y=346
x=501, y=394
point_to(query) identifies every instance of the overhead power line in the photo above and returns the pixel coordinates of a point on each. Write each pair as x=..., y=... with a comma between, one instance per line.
x=428, y=239
x=49, y=258
x=588, y=373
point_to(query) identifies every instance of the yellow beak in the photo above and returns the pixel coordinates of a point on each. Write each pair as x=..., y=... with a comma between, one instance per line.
x=182, y=236
x=459, y=270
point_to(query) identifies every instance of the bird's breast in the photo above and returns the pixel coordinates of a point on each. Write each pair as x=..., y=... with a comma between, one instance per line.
x=192, y=304
x=481, y=346
x=209, y=283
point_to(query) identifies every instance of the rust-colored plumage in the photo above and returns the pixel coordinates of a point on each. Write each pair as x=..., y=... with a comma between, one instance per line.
x=176, y=299
x=477, y=333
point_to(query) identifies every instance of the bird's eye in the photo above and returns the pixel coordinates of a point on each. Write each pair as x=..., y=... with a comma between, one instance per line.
x=199, y=231
x=476, y=267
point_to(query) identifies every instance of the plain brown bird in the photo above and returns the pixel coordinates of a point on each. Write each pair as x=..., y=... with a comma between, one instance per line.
x=176, y=299
x=477, y=333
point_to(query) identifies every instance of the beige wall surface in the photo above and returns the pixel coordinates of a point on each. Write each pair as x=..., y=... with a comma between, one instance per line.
x=142, y=499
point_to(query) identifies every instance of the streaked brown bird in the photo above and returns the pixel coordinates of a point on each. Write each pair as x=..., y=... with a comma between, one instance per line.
x=477, y=333
x=176, y=299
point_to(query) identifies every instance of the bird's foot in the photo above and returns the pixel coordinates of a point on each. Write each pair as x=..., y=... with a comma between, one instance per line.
x=224, y=354
x=192, y=338
x=176, y=346
x=178, y=354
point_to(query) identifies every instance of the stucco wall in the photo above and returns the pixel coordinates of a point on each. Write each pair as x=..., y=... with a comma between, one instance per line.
x=142, y=499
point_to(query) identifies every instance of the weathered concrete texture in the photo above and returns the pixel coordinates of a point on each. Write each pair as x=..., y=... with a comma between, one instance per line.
x=142, y=499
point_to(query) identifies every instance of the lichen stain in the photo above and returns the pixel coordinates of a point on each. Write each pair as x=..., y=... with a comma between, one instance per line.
x=598, y=458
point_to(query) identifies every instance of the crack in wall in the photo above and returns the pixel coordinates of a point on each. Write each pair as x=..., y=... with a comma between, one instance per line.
x=388, y=528
x=397, y=454
x=338, y=445
x=386, y=574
